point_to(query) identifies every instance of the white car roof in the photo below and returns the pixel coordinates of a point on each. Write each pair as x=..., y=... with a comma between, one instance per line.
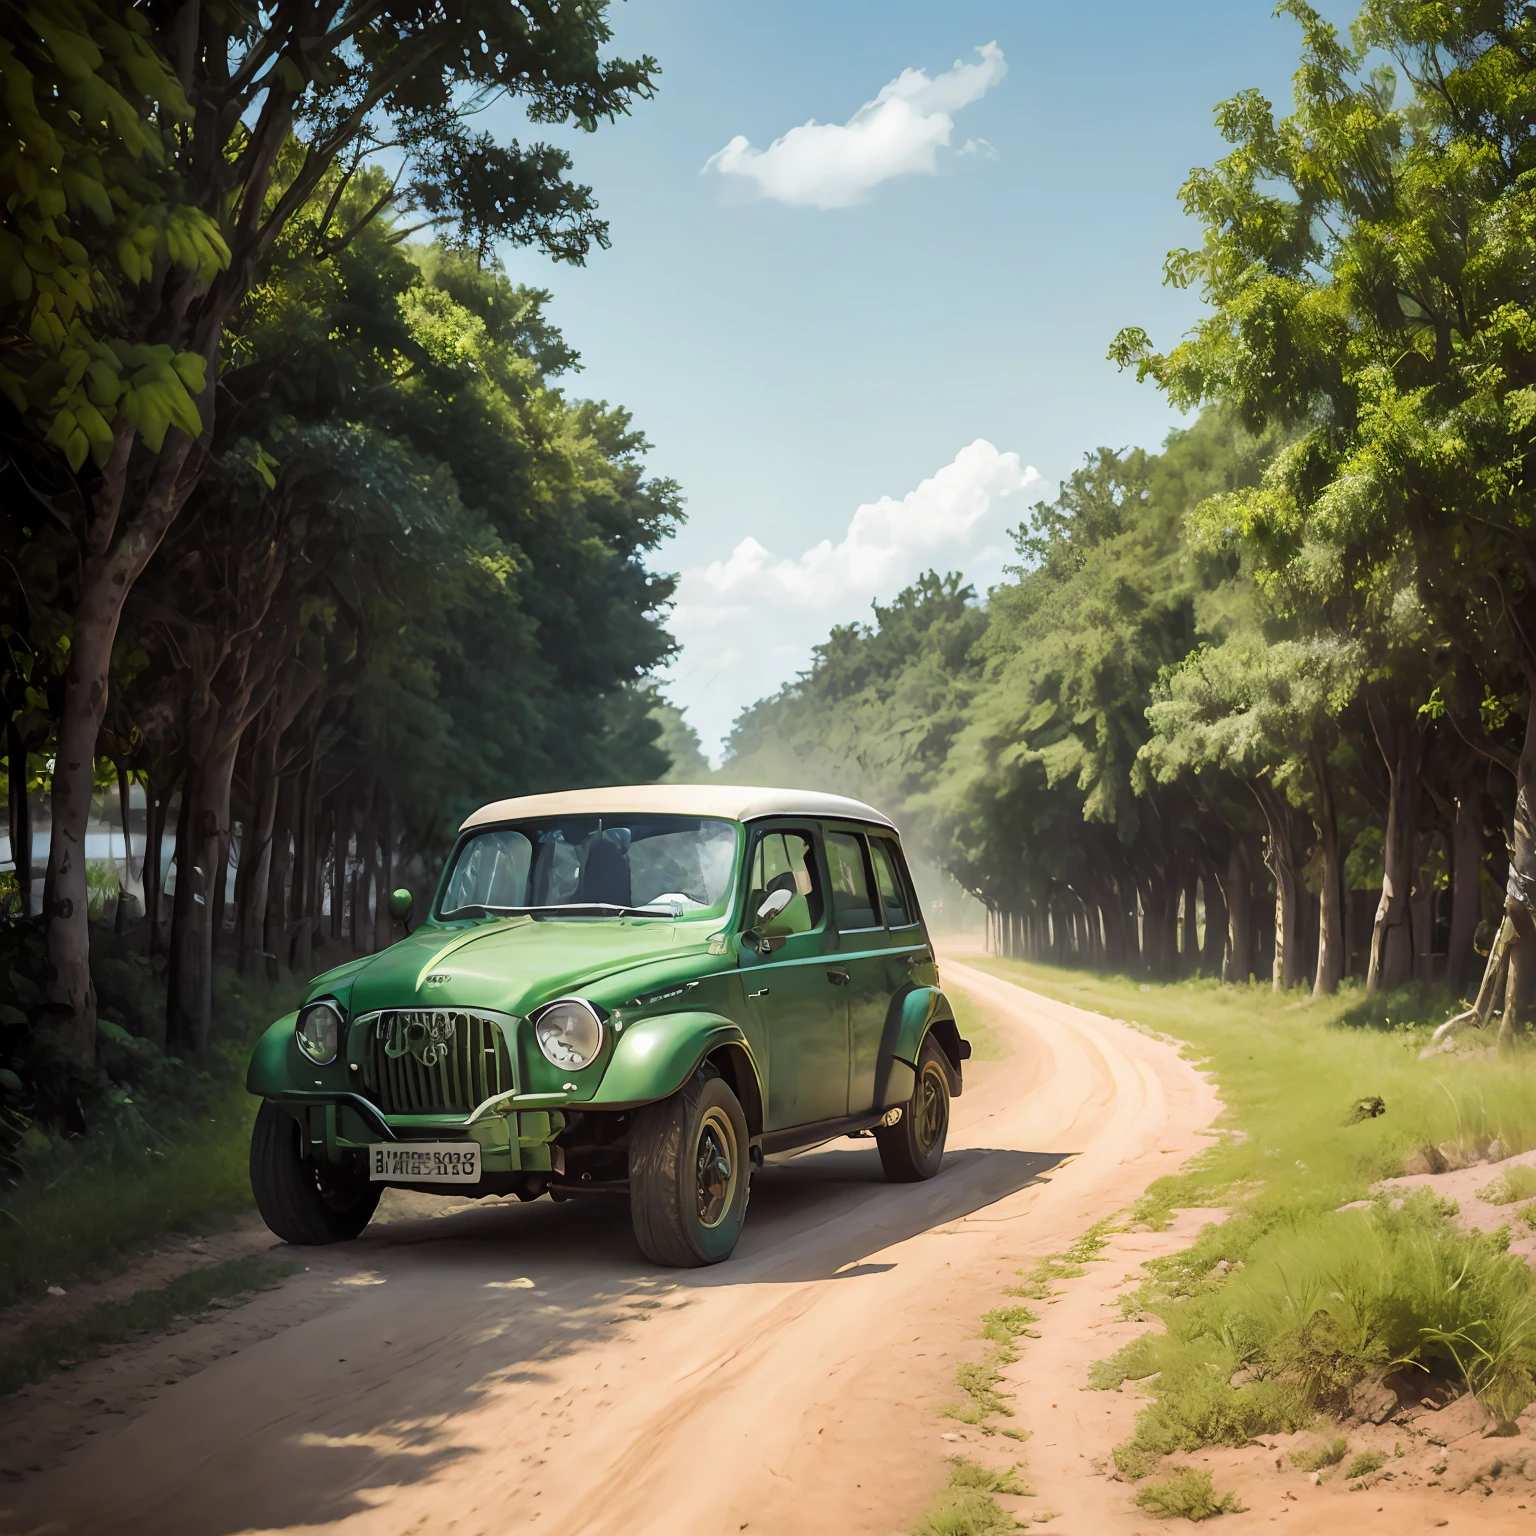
x=733, y=802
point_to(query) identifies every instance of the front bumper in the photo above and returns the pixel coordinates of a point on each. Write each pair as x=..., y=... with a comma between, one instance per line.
x=519, y=1141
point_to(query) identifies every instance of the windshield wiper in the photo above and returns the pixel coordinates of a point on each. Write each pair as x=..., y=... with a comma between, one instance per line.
x=598, y=909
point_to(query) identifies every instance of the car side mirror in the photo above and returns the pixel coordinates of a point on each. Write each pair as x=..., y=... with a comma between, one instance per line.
x=773, y=904
x=400, y=907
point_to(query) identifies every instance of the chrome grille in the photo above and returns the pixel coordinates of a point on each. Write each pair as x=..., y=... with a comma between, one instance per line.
x=421, y=1061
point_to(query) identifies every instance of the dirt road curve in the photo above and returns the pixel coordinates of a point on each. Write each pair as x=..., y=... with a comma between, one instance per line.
x=508, y=1368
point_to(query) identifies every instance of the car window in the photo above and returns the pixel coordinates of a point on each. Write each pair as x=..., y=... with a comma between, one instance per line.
x=888, y=882
x=786, y=861
x=851, y=901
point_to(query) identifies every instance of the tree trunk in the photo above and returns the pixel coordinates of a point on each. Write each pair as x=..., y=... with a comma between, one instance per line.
x=1214, y=953
x=112, y=564
x=384, y=818
x=120, y=919
x=1466, y=882
x=1239, y=918
x=1280, y=857
x=154, y=851
x=257, y=854
x=1189, y=938
x=1392, y=937
x=21, y=816
x=205, y=820
x=1330, y=928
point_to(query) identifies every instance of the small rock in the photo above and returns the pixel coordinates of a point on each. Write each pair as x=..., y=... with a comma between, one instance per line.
x=1453, y=1157
x=1354, y=1205
x=1396, y=1203
x=1497, y=1151
x=1425, y=1160
x=56, y=1290
x=1372, y=1401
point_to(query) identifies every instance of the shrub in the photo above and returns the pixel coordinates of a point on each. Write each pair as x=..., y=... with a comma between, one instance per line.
x=1189, y=1495
x=969, y=1474
x=1329, y=1454
x=1364, y=1464
x=1518, y=1183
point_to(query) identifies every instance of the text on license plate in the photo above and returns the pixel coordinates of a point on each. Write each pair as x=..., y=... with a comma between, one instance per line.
x=425, y=1162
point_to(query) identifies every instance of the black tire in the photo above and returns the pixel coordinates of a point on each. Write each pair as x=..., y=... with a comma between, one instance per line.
x=302, y=1200
x=684, y=1212
x=913, y=1148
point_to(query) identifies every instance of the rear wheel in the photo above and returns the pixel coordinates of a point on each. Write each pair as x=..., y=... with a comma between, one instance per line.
x=913, y=1148
x=304, y=1200
x=689, y=1173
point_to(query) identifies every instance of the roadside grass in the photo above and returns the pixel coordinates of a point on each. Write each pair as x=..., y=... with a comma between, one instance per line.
x=965, y=1506
x=986, y=1043
x=1188, y=1495
x=168, y=1149
x=1517, y=1183
x=1277, y=1313
x=45, y=1349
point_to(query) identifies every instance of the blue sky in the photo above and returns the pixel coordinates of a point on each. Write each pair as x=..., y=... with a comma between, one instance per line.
x=932, y=341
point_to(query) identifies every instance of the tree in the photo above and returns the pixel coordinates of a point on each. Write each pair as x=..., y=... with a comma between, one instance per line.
x=1368, y=263
x=155, y=156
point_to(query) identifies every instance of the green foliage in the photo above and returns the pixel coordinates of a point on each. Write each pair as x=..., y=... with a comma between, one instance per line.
x=981, y=1381
x=968, y=1474
x=1189, y=1495
x=1518, y=1183
x=1364, y=1464
x=1280, y=1310
x=965, y=1506
x=43, y=1349
x=1327, y=1453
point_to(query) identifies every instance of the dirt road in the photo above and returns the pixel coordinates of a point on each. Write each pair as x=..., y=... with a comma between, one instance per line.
x=508, y=1368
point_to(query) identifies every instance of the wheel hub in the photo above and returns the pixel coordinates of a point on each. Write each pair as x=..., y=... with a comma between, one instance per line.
x=716, y=1168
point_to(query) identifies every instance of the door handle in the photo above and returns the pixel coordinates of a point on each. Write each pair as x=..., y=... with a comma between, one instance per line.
x=838, y=976
x=761, y=992
x=918, y=957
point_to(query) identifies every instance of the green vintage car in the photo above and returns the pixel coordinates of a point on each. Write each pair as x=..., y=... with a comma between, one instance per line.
x=631, y=991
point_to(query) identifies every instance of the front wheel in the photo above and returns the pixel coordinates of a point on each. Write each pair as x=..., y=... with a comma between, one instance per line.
x=913, y=1148
x=689, y=1169
x=303, y=1200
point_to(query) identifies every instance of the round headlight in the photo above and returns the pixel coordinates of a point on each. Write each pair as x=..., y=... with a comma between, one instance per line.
x=569, y=1032
x=318, y=1031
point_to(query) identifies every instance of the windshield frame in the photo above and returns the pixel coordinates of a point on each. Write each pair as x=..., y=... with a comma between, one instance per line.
x=586, y=911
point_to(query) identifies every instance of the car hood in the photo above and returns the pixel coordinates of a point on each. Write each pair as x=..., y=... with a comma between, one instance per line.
x=510, y=964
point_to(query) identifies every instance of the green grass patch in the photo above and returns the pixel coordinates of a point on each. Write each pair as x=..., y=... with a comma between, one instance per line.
x=45, y=1348
x=1364, y=1464
x=1327, y=1453
x=1275, y=1314
x=1039, y=1283
x=1518, y=1183
x=167, y=1148
x=1005, y=1325
x=980, y=1380
x=1189, y=1495
x=965, y=1506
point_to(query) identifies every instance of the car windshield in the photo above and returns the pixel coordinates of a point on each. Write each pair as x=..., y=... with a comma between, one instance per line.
x=594, y=866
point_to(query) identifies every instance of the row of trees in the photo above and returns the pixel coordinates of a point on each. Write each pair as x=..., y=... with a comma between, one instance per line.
x=1280, y=674
x=300, y=530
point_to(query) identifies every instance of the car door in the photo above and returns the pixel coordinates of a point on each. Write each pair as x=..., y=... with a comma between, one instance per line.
x=796, y=1001
x=863, y=955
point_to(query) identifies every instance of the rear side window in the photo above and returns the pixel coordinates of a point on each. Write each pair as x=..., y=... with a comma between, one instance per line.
x=889, y=885
x=786, y=861
x=852, y=903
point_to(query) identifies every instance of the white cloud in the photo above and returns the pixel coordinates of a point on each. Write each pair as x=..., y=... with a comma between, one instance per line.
x=746, y=623
x=899, y=133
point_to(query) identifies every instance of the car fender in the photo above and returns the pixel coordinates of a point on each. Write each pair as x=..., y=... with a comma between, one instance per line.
x=918, y=1013
x=271, y=1071
x=654, y=1057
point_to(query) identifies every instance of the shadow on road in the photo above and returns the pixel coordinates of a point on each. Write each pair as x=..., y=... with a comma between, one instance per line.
x=476, y=1300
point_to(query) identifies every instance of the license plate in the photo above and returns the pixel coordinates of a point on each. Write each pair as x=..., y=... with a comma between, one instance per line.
x=425, y=1162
